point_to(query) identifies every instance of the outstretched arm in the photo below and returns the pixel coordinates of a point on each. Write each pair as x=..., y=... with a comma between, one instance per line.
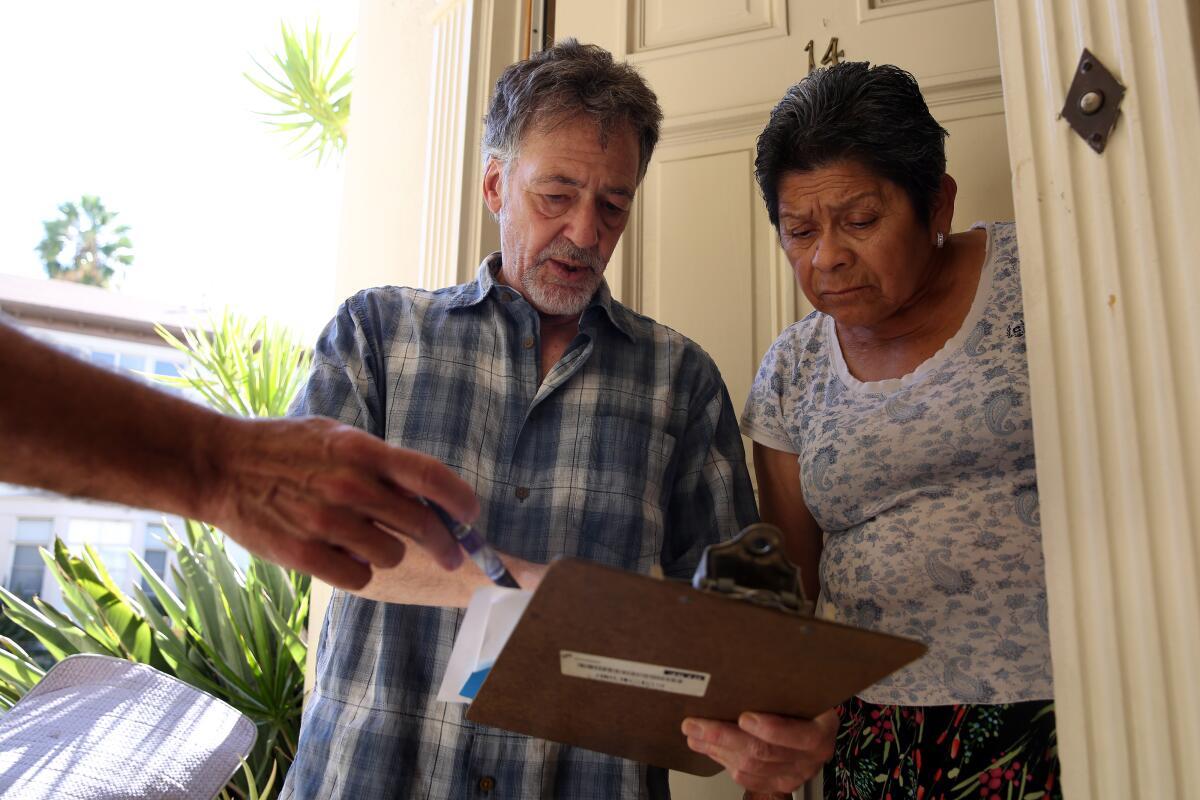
x=308, y=493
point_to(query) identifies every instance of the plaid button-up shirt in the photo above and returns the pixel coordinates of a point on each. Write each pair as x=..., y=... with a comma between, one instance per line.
x=628, y=453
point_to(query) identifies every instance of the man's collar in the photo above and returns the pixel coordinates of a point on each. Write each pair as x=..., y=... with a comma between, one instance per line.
x=472, y=294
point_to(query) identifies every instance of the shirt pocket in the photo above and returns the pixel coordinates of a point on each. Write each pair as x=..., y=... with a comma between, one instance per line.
x=620, y=492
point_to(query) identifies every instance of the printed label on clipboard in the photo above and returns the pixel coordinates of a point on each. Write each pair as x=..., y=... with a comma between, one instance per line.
x=634, y=673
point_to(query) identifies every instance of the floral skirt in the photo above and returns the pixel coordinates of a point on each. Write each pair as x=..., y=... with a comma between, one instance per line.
x=994, y=752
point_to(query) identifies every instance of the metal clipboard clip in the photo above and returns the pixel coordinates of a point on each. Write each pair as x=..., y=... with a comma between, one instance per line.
x=752, y=567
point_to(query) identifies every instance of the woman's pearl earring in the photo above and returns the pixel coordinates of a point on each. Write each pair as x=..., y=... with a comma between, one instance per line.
x=941, y=240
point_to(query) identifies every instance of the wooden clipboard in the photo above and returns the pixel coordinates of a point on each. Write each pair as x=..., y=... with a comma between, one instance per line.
x=593, y=620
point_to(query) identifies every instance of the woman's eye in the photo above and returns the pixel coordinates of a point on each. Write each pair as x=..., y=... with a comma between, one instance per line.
x=862, y=223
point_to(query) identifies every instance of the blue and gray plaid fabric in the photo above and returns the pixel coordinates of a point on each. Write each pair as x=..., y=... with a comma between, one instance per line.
x=627, y=454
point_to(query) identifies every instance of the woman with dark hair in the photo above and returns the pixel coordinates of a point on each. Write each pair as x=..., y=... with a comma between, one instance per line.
x=894, y=446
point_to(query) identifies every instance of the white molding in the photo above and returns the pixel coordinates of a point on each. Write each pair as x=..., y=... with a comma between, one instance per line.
x=690, y=128
x=1112, y=306
x=497, y=38
x=962, y=87
x=942, y=93
x=632, y=271
x=873, y=10
x=449, y=94
x=788, y=302
x=472, y=208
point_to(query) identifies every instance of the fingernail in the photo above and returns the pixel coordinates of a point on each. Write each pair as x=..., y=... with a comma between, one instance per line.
x=750, y=723
x=691, y=728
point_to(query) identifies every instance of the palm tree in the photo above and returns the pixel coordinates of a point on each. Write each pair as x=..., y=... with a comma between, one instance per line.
x=96, y=248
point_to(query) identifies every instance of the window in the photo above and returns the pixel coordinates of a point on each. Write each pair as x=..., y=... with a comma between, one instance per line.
x=110, y=539
x=166, y=368
x=154, y=552
x=103, y=359
x=39, y=531
x=156, y=559
x=133, y=363
x=28, y=569
x=156, y=535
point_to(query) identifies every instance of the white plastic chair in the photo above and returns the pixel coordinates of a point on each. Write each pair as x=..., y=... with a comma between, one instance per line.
x=101, y=728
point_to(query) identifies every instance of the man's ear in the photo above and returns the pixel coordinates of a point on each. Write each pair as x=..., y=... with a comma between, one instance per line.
x=493, y=185
x=942, y=214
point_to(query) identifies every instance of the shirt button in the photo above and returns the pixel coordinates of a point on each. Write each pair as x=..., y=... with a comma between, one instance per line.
x=527, y=342
x=522, y=492
x=487, y=783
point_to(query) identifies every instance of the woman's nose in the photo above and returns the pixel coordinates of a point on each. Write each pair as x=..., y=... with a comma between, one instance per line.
x=829, y=253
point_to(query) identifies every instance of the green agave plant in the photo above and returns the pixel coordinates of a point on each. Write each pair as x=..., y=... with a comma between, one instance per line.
x=243, y=368
x=313, y=100
x=236, y=634
x=252, y=791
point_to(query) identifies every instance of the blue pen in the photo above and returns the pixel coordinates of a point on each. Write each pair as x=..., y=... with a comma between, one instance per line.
x=482, y=553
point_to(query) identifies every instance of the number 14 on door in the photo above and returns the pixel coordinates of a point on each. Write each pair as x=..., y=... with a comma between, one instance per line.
x=832, y=54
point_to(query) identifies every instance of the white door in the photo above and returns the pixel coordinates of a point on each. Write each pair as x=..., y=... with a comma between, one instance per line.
x=700, y=254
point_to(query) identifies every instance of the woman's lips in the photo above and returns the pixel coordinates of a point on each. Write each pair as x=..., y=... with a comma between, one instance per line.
x=835, y=293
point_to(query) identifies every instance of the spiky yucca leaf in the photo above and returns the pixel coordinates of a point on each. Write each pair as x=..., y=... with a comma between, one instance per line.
x=241, y=368
x=18, y=672
x=313, y=100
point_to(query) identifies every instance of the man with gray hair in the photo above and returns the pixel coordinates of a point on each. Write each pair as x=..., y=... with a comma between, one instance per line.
x=585, y=429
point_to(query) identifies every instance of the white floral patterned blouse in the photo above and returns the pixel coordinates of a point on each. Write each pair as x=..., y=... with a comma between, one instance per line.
x=926, y=491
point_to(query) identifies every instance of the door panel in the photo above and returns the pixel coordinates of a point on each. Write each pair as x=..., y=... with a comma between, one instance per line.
x=715, y=230
x=655, y=25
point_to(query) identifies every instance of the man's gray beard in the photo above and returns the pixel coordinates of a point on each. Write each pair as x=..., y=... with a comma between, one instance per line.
x=553, y=299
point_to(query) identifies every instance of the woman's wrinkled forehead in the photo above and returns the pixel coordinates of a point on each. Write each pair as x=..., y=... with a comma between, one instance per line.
x=834, y=188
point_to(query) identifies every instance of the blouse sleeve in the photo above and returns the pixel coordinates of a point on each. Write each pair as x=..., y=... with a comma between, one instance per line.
x=765, y=417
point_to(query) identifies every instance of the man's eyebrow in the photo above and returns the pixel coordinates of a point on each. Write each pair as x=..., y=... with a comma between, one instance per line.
x=557, y=179
x=574, y=182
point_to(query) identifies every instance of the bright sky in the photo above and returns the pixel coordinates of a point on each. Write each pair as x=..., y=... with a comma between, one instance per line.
x=143, y=103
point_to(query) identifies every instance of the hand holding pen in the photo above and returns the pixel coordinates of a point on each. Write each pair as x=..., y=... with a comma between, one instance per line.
x=472, y=541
